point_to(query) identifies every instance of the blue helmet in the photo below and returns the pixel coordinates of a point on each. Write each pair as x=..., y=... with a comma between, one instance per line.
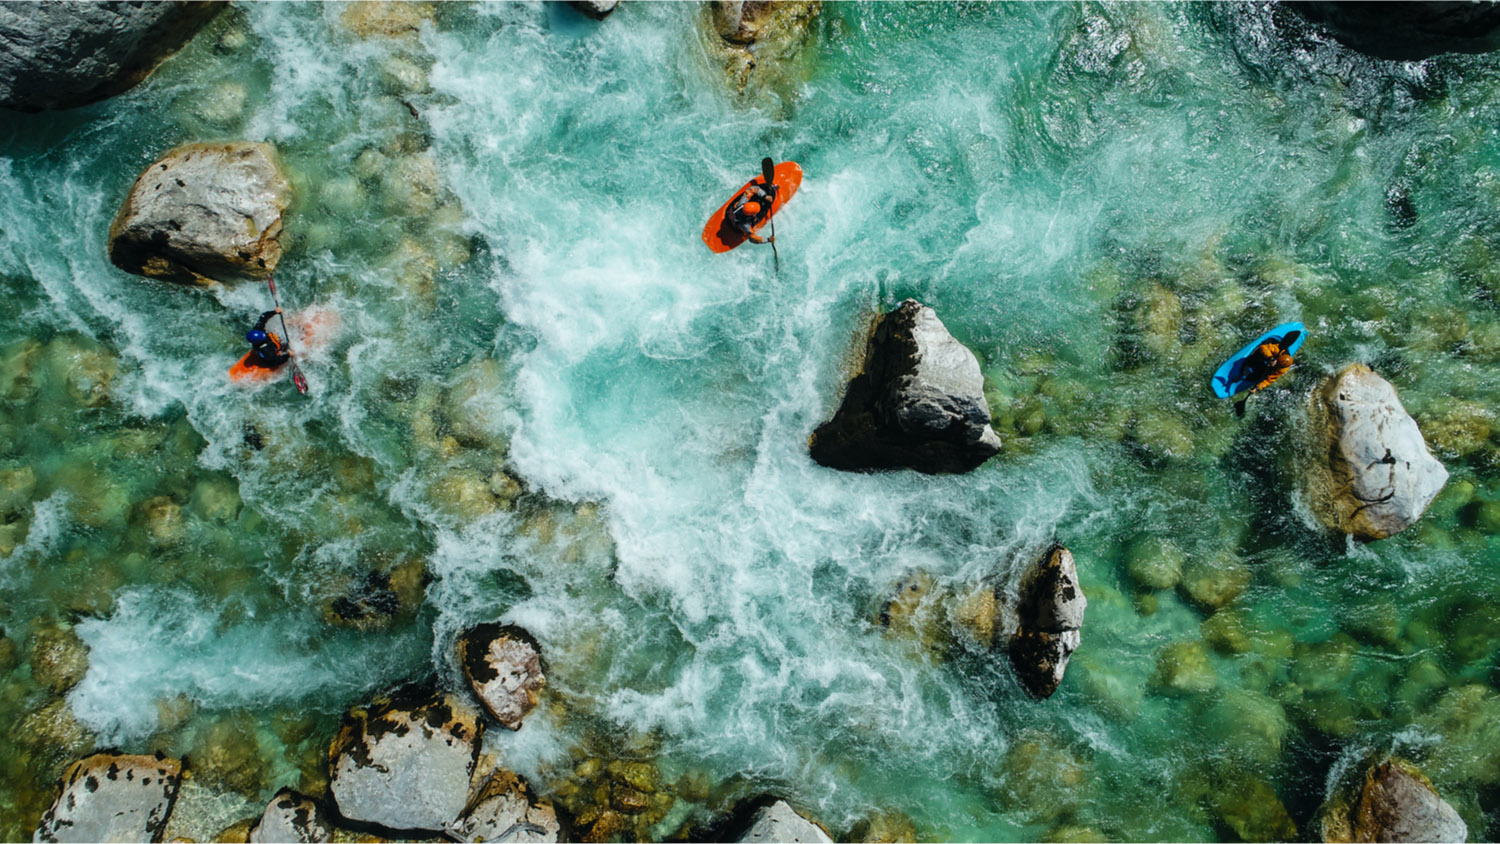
x=257, y=336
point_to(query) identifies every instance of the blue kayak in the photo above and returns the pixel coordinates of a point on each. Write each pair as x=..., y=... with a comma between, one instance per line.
x=1229, y=379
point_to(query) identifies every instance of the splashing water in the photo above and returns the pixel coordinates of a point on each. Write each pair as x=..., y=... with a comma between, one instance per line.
x=547, y=394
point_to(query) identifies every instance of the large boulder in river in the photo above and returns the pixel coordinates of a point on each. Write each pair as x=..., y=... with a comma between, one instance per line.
x=1394, y=802
x=1049, y=616
x=780, y=822
x=761, y=42
x=290, y=817
x=107, y=797
x=1371, y=474
x=504, y=667
x=1409, y=31
x=504, y=809
x=61, y=54
x=918, y=403
x=204, y=213
x=405, y=762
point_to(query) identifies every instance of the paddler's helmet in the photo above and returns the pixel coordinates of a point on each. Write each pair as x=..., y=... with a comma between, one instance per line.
x=752, y=207
x=1283, y=360
x=257, y=337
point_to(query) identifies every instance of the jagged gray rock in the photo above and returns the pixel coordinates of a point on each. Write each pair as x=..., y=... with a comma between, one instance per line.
x=1371, y=474
x=405, y=762
x=780, y=822
x=204, y=213
x=109, y=797
x=1048, y=620
x=56, y=55
x=1395, y=802
x=290, y=817
x=504, y=667
x=504, y=809
x=918, y=403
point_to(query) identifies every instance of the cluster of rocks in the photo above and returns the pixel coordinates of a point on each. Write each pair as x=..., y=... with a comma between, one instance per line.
x=761, y=46
x=409, y=765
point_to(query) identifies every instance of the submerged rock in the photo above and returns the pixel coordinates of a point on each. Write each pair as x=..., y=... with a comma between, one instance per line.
x=107, y=797
x=504, y=667
x=290, y=817
x=56, y=55
x=387, y=18
x=59, y=658
x=1049, y=615
x=780, y=822
x=918, y=403
x=1395, y=802
x=406, y=761
x=1409, y=31
x=204, y=213
x=1371, y=474
x=758, y=42
x=504, y=809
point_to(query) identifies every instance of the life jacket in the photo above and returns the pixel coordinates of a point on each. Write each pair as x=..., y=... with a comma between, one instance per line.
x=260, y=358
x=1269, y=352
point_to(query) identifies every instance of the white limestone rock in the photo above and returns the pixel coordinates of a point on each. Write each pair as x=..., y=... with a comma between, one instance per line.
x=109, y=797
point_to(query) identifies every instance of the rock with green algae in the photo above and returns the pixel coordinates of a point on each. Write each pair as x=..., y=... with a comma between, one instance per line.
x=380, y=597
x=216, y=499
x=610, y=798
x=465, y=494
x=55, y=729
x=1162, y=434
x=1109, y=684
x=913, y=610
x=1251, y=807
x=1324, y=666
x=59, y=659
x=1041, y=778
x=1184, y=668
x=1215, y=582
x=17, y=484
x=1394, y=801
x=1154, y=563
x=387, y=18
x=884, y=827
x=1225, y=631
x=1247, y=725
x=1468, y=720
x=227, y=755
x=1457, y=429
x=80, y=367
x=163, y=521
x=473, y=403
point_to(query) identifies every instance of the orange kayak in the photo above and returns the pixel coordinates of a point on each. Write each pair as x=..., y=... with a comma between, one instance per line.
x=244, y=373
x=314, y=327
x=721, y=236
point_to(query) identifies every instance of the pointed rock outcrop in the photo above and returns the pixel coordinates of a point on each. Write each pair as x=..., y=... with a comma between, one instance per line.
x=917, y=403
x=1049, y=617
x=504, y=667
x=109, y=797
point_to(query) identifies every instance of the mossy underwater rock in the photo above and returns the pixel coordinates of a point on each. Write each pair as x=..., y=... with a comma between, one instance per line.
x=1049, y=615
x=758, y=42
x=1370, y=474
x=108, y=797
x=56, y=55
x=504, y=667
x=1393, y=802
x=918, y=403
x=405, y=762
x=202, y=214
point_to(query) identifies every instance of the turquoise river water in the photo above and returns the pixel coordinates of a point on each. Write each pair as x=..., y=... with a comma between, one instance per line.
x=548, y=403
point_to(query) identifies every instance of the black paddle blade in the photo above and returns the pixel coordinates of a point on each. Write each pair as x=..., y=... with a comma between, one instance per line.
x=1239, y=409
x=768, y=171
x=1289, y=339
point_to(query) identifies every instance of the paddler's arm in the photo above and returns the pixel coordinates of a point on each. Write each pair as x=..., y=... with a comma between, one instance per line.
x=260, y=324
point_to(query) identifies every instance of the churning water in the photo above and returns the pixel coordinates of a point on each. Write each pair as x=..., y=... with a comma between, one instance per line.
x=546, y=393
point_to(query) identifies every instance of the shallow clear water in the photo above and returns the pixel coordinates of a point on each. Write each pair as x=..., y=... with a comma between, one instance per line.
x=1101, y=201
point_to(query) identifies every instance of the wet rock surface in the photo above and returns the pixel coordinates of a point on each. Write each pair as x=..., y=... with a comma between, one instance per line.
x=1394, y=802
x=918, y=403
x=597, y=9
x=107, y=797
x=504, y=809
x=780, y=822
x=405, y=762
x=1049, y=614
x=290, y=817
x=504, y=668
x=1409, y=31
x=56, y=55
x=1371, y=474
x=204, y=213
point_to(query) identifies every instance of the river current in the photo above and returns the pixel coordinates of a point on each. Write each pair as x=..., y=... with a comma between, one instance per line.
x=547, y=403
